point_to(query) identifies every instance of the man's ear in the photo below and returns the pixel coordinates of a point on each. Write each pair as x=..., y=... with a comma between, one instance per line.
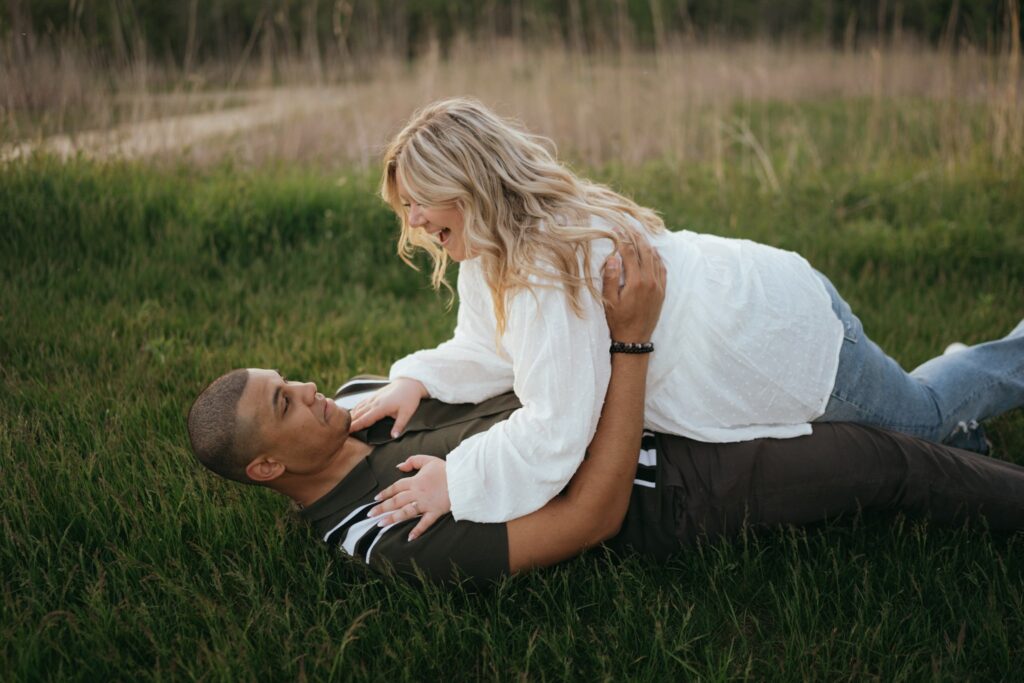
x=264, y=470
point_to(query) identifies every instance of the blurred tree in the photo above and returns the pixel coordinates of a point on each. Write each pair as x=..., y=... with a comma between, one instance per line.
x=191, y=32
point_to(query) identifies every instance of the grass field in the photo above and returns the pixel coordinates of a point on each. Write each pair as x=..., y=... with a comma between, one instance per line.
x=127, y=286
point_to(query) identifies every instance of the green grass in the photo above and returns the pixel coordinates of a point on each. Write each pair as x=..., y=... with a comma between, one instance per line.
x=127, y=287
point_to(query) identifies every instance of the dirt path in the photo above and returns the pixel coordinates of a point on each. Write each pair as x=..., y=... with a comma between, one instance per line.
x=174, y=133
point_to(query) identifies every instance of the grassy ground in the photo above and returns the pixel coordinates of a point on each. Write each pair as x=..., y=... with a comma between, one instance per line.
x=127, y=287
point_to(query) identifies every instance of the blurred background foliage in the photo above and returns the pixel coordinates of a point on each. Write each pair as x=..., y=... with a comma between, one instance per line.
x=189, y=32
x=328, y=81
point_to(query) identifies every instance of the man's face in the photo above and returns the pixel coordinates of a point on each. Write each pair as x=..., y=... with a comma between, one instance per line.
x=295, y=424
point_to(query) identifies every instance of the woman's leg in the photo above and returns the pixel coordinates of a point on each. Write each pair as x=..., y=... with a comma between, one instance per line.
x=942, y=400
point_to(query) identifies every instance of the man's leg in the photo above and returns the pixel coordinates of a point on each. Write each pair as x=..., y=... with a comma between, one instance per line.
x=942, y=400
x=841, y=468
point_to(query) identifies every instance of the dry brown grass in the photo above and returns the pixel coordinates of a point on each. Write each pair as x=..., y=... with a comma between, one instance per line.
x=683, y=104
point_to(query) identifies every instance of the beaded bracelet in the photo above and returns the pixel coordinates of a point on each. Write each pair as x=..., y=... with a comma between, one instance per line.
x=631, y=347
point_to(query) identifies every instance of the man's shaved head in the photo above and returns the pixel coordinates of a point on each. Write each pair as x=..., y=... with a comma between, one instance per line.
x=222, y=441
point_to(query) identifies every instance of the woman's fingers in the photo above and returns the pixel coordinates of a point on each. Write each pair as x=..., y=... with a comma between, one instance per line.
x=395, y=502
x=400, y=515
x=360, y=409
x=415, y=462
x=425, y=523
x=393, y=490
x=401, y=419
x=399, y=400
x=366, y=419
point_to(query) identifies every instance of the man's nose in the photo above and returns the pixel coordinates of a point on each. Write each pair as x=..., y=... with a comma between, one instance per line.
x=308, y=391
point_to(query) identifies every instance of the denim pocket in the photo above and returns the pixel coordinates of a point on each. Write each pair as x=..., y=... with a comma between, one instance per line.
x=851, y=329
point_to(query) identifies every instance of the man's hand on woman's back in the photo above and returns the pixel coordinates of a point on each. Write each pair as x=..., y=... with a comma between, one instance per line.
x=632, y=308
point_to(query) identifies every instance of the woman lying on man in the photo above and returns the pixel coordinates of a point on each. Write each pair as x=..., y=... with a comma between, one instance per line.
x=254, y=427
x=753, y=341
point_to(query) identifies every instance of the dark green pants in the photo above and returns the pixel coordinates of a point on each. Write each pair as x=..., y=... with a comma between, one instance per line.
x=840, y=468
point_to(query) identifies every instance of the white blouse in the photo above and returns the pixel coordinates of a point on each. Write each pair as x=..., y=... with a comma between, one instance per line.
x=747, y=346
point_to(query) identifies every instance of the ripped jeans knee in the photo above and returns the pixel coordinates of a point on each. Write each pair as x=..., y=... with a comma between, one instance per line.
x=969, y=435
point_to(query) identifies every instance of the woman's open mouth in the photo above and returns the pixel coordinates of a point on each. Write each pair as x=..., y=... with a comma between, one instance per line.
x=444, y=235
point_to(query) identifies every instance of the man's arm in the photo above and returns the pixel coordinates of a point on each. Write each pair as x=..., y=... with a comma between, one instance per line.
x=595, y=502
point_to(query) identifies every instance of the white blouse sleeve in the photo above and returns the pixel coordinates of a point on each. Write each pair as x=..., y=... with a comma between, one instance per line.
x=467, y=368
x=562, y=368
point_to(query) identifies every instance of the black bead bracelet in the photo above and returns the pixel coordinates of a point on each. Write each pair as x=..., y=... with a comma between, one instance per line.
x=632, y=347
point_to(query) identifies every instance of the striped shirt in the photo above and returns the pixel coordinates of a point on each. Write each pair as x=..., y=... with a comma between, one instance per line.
x=450, y=549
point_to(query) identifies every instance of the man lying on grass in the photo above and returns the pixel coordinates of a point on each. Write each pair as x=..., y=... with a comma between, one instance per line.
x=255, y=427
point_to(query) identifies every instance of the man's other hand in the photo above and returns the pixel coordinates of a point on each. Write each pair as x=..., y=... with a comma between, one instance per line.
x=399, y=400
x=633, y=307
x=423, y=494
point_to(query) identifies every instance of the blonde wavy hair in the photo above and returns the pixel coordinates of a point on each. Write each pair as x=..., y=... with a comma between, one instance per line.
x=526, y=215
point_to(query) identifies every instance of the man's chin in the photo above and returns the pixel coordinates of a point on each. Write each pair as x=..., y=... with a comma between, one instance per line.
x=346, y=420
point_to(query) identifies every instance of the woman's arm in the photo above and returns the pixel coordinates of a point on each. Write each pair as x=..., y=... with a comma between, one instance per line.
x=562, y=369
x=465, y=369
x=561, y=372
x=597, y=497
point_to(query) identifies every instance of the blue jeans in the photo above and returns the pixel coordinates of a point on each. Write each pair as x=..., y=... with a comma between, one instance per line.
x=942, y=400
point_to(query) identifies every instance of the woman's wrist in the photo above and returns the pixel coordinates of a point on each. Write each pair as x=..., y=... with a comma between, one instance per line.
x=415, y=384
